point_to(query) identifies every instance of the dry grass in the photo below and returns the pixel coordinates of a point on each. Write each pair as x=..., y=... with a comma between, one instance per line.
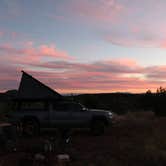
x=135, y=139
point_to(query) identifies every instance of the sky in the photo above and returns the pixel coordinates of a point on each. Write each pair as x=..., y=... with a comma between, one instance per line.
x=84, y=46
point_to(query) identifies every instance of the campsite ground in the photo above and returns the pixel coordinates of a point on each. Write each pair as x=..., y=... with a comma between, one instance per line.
x=135, y=139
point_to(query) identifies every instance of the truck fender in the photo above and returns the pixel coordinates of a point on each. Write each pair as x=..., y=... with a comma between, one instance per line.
x=99, y=118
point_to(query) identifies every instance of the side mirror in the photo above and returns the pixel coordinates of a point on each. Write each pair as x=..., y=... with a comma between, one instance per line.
x=84, y=109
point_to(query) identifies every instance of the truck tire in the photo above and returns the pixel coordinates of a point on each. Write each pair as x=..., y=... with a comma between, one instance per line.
x=97, y=127
x=30, y=127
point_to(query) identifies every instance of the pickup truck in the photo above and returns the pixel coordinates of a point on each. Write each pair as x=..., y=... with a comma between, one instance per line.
x=31, y=119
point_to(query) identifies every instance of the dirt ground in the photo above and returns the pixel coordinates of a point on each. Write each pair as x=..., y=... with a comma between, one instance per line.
x=136, y=139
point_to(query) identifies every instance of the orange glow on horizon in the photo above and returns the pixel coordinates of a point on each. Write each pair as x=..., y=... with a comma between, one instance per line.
x=86, y=91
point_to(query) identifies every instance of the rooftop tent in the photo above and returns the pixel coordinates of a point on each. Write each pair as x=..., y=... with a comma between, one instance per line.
x=32, y=89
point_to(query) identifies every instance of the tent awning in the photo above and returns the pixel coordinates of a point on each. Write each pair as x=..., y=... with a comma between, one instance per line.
x=32, y=89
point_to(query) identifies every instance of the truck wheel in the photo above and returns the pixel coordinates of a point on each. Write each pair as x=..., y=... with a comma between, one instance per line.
x=97, y=127
x=30, y=127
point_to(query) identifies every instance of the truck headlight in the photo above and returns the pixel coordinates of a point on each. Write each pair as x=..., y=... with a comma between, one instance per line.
x=110, y=114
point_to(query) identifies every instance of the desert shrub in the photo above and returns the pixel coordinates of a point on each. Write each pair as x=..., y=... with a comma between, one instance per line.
x=5, y=107
x=160, y=104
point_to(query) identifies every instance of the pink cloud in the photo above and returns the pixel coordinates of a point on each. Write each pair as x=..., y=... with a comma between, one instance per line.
x=99, y=76
x=14, y=35
x=129, y=24
x=2, y=33
x=91, y=82
x=66, y=76
x=163, y=44
x=50, y=50
x=30, y=54
x=100, y=10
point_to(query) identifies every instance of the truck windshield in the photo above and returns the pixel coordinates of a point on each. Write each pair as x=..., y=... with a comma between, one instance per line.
x=68, y=107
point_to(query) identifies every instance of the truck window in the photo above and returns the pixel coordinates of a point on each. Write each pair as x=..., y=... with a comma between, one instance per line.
x=67, y=107
x=33, y=106
x=60, y=107
x=75, y=107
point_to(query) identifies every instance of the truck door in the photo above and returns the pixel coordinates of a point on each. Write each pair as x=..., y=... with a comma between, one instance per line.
x=59, y=115
x=79, y=116
x=36, y=109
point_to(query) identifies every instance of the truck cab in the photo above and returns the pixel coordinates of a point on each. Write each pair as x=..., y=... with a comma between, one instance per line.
x=33, y=116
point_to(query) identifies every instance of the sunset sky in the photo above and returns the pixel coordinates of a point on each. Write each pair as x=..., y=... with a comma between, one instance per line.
x=84, y=46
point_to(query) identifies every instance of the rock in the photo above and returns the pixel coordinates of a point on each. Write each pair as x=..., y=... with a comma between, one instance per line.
x=63, y=159
x=39, y=157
